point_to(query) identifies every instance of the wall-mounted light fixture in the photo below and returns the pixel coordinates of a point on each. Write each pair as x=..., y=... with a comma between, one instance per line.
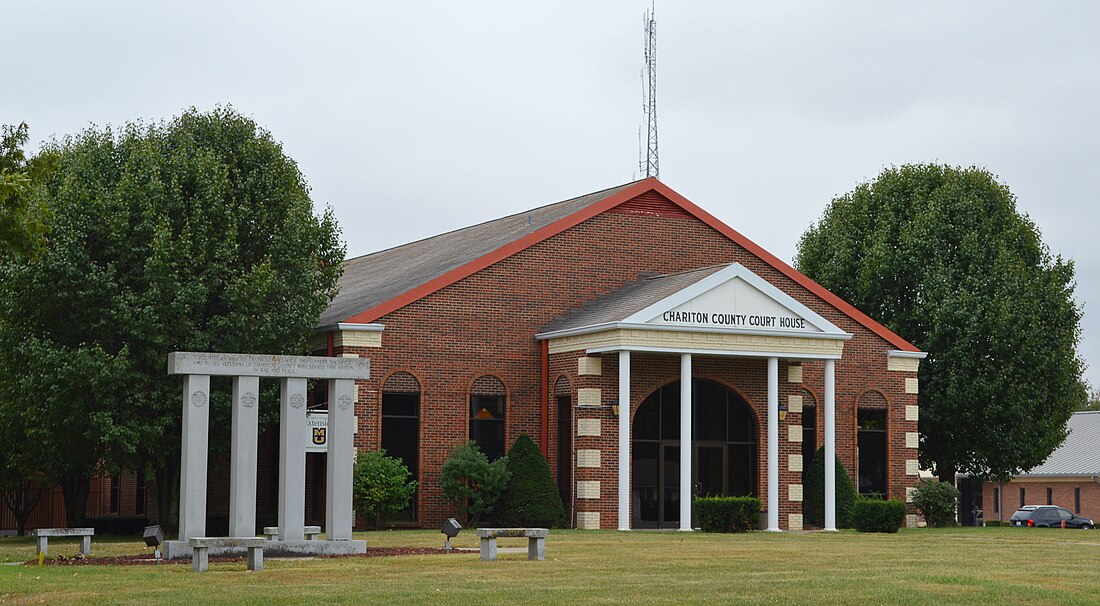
x=615, y=409
x=782, y=412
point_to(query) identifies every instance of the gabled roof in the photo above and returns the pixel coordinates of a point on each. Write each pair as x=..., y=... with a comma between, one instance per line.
x=1079, y=455
x=377, y=284
x=645, y=302
x=371, y=281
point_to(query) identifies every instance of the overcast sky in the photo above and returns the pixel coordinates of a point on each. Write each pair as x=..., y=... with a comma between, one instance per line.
x=410, y=119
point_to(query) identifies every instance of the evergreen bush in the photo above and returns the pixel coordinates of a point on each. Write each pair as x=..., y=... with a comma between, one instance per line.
x=936, y=501
x=813, y=503
x=727, y=514
x=877, y=515
x=471, y=481
x=531, y=497
x=380, y=484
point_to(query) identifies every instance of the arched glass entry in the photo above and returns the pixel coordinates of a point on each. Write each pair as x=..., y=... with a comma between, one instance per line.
x=724, y=442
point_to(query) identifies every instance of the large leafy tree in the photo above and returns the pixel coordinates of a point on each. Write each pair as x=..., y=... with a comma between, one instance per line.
x=941, y=256
x=21, y=220
x=195, y=234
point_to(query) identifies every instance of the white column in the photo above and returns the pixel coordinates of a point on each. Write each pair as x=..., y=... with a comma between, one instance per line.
x=830, y=446
x=773, y=444
x=292, y=459
x=624, y=440
x=242, y=467
x=193, y=449
x=685, y=442
x=341, y=451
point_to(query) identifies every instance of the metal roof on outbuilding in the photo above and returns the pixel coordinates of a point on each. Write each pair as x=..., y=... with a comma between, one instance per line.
x=1079, y=455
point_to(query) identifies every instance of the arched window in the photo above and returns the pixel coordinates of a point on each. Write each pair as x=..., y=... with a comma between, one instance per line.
x=724, y=458
x=871, y=444
x=487, y=405
x=809, y=431
x=401, y=428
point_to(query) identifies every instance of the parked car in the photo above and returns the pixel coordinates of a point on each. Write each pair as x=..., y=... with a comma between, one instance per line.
x=1048, y=516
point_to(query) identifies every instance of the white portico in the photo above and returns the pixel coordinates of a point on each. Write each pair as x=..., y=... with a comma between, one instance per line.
x=725, y=311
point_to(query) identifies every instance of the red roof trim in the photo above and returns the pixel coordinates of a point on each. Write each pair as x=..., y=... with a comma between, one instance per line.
x=608, y=203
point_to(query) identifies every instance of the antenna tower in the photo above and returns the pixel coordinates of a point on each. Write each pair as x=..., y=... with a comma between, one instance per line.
x=649, y=164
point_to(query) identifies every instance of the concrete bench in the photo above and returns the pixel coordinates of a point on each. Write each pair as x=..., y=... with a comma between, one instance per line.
x=44, y=535
x=536, y=541
x=312, y=532
x=200, y=546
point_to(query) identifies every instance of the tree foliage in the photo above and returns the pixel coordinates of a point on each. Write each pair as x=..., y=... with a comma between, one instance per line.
x=21, y=217
x=531, y=497
x=941, y=256
x=380, y=484
x=937, y=503
x=471, y=481
x=196, y=234
x=1093, y=402
x=813, y=503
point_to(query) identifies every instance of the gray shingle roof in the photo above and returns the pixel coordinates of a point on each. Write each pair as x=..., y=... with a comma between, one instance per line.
x=1079, y=454
x=630, y=299
x=373, y=279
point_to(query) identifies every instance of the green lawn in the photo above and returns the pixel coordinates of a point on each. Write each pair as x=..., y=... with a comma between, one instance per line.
x=956, y=566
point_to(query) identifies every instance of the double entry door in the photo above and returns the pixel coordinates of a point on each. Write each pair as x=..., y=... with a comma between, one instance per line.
x=658, y=501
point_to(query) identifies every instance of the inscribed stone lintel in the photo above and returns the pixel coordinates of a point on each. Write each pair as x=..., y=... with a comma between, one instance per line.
x=263, y=365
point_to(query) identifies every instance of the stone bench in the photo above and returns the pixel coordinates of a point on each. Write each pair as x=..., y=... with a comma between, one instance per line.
x=44, y=535
x=536, y=541
x=200, y=546
x=311, y=532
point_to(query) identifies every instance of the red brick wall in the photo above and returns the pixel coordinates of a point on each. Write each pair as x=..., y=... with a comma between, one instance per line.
x=485, y=324
x=1036, y=494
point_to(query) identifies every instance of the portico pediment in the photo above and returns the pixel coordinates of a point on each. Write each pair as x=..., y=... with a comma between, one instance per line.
x=735, y=299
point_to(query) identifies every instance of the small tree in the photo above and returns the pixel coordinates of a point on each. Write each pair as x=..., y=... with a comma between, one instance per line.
x=470, y=480
x=813, y=505
x=531, y=497
x=937, y=501
x=380, y=484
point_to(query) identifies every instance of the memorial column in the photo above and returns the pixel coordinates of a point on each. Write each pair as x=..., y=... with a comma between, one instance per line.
x=341, y=452
x=242, y=467
x=292, y=459
x=193, y=455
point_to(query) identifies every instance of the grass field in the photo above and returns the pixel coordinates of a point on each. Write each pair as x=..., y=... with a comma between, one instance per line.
x=921, y=566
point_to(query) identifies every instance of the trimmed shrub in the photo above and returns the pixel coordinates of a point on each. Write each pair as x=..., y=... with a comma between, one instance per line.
x=380, y=484
x=531, y=497
x=728, y=514
x=471, y=481
x=937, y=501
x=813, y=503
x=876, y=515
x=993, y=523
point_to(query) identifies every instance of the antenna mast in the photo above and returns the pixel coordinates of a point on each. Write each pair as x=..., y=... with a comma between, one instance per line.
x=650, y=165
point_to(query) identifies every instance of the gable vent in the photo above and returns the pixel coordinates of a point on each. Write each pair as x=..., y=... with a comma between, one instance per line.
x=650, y=203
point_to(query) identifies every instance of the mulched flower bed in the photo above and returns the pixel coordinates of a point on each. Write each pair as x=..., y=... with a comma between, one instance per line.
x=145, y=559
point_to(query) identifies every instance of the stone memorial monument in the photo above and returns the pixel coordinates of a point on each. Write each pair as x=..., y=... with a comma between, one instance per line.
x=292, y=372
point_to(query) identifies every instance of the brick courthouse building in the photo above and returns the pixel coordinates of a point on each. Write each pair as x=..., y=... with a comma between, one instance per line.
x=597, y=325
